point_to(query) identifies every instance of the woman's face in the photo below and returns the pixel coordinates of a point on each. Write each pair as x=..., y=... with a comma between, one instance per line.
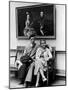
x=41, y=13
x=28, y=17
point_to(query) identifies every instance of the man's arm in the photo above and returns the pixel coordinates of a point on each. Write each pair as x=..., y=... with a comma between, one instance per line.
x=18, y=64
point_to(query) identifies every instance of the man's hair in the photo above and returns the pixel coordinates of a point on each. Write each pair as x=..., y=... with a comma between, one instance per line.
x=42, y=42
x=31, y=36
x=47, y=46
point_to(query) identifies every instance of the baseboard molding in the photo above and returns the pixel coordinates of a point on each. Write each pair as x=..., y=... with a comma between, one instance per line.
x=60, y=72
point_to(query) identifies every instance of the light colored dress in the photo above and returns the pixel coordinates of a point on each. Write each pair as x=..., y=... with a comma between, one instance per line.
x=42, y=56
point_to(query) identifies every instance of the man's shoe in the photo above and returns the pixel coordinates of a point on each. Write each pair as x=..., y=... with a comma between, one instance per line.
x=27, y=84
x=20, y=83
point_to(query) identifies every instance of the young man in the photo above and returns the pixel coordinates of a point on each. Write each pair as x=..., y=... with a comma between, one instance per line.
x=25, y=61
x=31, y=67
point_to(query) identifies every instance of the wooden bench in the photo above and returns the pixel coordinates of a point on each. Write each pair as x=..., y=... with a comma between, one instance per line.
x=19, y=50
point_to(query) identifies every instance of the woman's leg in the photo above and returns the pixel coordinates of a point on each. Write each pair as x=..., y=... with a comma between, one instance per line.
x=37, y=81
x=42, y=74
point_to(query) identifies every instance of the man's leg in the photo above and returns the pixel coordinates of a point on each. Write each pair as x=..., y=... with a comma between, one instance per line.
x=29, y=74
x=22, y=73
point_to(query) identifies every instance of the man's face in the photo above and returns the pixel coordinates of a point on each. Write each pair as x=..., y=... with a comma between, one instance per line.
x=41, y=13
x=32, y=40
x=43, y=46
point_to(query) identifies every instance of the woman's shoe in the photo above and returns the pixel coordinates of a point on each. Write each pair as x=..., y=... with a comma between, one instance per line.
x=44, y=79
x=37, y=85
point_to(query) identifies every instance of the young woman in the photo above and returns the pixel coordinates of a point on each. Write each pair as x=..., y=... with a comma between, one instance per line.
x=28, y=30
x=43, y=54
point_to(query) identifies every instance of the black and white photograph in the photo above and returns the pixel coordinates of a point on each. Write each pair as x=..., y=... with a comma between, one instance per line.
x=37, y=50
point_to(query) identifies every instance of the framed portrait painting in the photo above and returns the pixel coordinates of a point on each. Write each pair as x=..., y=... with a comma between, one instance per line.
x=36, y=19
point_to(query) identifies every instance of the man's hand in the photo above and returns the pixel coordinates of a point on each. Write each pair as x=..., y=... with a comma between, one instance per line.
x=18, y=64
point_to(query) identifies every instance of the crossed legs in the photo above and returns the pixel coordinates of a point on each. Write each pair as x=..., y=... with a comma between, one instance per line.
x=38, y=76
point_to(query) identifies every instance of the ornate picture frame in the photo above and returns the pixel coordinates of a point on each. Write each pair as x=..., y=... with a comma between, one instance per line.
x=42, y=25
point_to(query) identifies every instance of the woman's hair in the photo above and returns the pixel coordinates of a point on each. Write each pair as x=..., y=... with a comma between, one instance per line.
x=27, y=13
x=30, y=15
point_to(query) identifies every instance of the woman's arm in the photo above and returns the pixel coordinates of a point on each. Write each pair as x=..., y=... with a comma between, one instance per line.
x=38, y=53
x=49, y=54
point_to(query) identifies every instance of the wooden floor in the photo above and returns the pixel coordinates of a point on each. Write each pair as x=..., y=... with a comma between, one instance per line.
x=14, y=83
